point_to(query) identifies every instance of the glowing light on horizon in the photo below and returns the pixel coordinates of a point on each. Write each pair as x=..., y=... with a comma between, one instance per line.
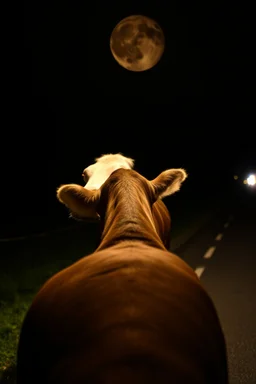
x=251, y=180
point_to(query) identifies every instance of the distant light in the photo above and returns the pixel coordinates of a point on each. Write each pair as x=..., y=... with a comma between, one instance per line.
x=251, y=180
x=245, y=181
x=235, y=177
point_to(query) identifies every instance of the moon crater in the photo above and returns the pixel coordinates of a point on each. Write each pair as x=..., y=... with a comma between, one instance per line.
x=137, y=43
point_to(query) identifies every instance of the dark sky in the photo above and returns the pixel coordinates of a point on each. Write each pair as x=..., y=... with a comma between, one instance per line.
x=72, y=102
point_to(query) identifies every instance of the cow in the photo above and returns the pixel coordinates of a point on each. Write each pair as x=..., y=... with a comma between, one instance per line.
x=96, y=174
x=130, y=312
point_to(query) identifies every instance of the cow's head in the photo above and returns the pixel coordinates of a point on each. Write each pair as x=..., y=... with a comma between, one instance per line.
x=96, y=174
x=84, y=203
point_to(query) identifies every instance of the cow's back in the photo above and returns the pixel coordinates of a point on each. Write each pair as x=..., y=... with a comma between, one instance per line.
x=131, y=313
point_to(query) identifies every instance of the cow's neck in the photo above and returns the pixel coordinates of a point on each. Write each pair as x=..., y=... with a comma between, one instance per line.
x=129, y=218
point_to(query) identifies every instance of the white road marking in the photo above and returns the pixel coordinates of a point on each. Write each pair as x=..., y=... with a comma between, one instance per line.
x=208, y=254
x=219, y=237
x=210, y=251
x=199, y=271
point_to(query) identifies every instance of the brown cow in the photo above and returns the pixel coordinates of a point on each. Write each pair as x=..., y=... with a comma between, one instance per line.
x=96, y=174
x=131, y=312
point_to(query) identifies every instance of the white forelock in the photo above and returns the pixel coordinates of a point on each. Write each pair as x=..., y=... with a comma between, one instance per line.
x=100, y=171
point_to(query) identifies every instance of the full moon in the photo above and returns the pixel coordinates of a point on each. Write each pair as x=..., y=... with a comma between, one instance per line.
x=137, y=43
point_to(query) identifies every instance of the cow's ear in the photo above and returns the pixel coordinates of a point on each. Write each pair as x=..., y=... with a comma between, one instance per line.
x=80, y=201
x=168, y=182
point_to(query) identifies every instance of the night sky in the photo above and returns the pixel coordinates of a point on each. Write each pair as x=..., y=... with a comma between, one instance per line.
x=72, y=102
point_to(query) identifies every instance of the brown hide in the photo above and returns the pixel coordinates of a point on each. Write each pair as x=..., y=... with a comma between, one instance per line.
x=95, y=174
x=162, y=222
x=131, y=312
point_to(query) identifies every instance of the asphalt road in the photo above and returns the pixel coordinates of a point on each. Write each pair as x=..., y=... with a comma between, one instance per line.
x=223, y=254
